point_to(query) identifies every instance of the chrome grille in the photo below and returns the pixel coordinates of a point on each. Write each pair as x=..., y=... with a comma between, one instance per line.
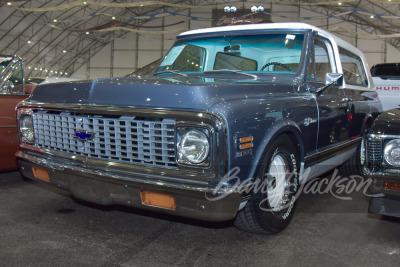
x=374, y=151
x=149, y=141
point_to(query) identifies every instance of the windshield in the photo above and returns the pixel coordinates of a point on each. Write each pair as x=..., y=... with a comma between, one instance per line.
x=266, y=53
x=4, y=61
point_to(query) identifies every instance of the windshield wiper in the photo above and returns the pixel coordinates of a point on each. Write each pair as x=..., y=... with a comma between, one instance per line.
x=255, y=77
x=170, y=71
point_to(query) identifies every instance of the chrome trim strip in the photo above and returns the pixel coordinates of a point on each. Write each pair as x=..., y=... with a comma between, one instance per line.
x=97, y=173
x=122, y=110
x=71, y=160
x=379, y=137
x=336, y=149
x=8, y=126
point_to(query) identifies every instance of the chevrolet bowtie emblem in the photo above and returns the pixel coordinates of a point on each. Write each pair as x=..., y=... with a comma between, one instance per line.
x=83, y=135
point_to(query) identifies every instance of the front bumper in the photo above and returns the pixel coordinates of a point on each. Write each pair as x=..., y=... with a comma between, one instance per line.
x=377, y=187
x=384, y=201
x=385, y=206
x=111, y=187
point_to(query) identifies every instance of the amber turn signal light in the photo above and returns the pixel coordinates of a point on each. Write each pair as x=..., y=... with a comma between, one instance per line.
x=246, y=139
x=41, y=174
x=391, y=186
x=158, y=200
x=246, y=142
x=245, y=146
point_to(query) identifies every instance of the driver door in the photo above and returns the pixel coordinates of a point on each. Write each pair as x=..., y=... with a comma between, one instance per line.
x=332, y=107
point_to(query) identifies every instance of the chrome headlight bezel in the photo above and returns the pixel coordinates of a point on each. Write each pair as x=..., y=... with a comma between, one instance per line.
x=391, y=151
x=26, y=130
x=186, y=135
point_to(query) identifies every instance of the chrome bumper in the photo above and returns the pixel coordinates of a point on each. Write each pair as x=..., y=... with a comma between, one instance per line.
x=112, y=187
x=379, y=178
x=385, y=206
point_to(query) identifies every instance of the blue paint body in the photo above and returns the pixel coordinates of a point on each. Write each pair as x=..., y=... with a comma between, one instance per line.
x=322, y=120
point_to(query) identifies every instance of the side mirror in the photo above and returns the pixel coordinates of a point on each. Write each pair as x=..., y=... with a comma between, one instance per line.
x=334, y=79
x=331, y=79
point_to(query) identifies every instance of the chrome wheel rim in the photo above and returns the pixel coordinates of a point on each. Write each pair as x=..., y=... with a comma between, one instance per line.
x=362, y=152
x=278, y=183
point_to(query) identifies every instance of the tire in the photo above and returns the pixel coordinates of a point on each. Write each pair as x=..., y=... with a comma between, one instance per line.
x=270, y=209
x=356, y=164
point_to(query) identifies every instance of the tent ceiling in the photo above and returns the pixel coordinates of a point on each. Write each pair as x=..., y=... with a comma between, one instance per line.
x=64, y=39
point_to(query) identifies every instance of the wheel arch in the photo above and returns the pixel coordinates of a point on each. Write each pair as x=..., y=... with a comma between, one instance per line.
x=288, y=128
x=368, y=121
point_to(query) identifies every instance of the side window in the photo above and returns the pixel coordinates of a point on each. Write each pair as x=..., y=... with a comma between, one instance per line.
x=321, y=63
x=186, y=58
x=14, y=82
x=353, y=69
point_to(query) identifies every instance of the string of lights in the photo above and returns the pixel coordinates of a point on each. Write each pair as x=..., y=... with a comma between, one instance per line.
x=256, y=7
x=166, y=4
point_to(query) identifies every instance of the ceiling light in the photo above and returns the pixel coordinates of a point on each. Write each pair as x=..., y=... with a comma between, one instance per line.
x=64, y=51
x=29, y=42
x=339, y=3
x=9, y=4
x=87, y=32
x=372, y=16
x=113, y=18
x=54, y=20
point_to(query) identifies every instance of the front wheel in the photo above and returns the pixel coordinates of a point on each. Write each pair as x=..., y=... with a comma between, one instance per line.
x=273, y=201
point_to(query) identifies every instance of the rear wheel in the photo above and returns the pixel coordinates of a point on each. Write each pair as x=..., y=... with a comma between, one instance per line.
x=271, y=206
x=356, y=164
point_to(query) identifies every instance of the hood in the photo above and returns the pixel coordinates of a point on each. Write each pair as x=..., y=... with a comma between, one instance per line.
x=190, y=92
x=388, y=123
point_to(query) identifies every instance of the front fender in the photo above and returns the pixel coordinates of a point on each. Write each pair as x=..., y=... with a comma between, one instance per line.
x=264, y=120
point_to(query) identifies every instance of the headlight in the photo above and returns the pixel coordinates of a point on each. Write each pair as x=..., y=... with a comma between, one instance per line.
x=26, y=128
x=193, y=145
x=392, y=152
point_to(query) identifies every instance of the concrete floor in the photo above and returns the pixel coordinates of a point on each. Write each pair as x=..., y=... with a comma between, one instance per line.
x=43, y=226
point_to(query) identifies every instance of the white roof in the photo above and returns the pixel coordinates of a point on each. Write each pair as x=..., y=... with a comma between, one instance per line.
x=268, y=26
x=260, y=26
